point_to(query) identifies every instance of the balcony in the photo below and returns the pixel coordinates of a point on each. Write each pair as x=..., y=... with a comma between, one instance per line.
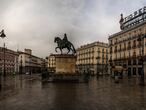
x=98, y=57
x=139, y=45
x=134, y=55
x=119, y=50
x=124, y=49
x=129, y=47
x=115, y=50
x=134, y=46
x=116, y=43
x=111, y=44
x=111, y=51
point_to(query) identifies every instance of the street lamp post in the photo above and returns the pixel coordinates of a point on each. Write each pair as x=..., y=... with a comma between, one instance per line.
x=4, y=62
x=21, y=66
x=30, y=64
x=20, y=71
x=2, y=35
x=97, y=74
x=141, y=40
x=102, y=66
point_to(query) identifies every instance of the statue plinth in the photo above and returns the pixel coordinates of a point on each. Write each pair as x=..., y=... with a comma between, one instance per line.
x=65, y=63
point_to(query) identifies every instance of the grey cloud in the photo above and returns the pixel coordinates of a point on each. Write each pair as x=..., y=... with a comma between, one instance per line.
x=34, y=23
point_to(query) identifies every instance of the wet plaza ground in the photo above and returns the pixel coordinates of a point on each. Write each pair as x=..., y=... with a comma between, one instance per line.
x=23, y=93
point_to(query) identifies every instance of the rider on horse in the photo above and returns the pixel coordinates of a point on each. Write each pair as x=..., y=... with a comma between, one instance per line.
x=65, y=39
x=64, y=43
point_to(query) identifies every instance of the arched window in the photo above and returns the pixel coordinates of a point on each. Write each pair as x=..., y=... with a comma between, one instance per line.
x=124, y=46
x=134, y=54
x=115, y=48
x=129, y=45
x=120, y=47
x=111, y=50
x=134, y=44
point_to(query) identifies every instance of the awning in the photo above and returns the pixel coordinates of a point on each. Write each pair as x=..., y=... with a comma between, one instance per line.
x=119, y=68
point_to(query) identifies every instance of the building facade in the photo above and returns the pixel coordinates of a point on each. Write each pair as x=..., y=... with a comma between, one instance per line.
x=127, y=47
x=9, y=61
x=30, y=63
x=92, y=58
x=51, y=63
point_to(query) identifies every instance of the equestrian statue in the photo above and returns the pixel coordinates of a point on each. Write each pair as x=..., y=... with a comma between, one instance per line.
x=64, y=43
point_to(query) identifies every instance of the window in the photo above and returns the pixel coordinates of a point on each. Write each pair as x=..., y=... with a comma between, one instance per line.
x=111, y=50
x=110, y=57
x=139, y=71
x=140, y=29
x=139, y=52
x=124, y=46
x=129, y=54
x=129, y=45
x=134, y=44
x=103, y=56
x=139, y=62
x=102, y=50
x=124, y=65
x=98, y=49
x=115, y=48
x=134, y=62
x=116, y=41
x=120, y=47
x=106, y=51
x=134, y=54
x=129, y=71
x=134, y=71
x=116, y=56
x=124, y=55
x=129, y=62
x=111, y=42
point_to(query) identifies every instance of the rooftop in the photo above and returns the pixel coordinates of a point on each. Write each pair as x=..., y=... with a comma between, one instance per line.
x=128, y=29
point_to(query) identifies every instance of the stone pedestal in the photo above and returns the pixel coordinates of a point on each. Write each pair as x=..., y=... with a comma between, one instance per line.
x=65, y=64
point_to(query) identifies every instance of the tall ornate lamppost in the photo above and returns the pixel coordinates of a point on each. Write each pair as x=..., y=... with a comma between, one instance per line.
x=2, y=35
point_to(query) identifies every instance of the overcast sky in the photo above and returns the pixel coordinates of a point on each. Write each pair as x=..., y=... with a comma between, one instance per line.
x=34, y=23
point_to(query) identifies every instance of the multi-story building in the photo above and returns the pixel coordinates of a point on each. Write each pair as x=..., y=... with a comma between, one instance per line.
x=51, y=62
x=30, y=63
x=8, y=61
x=92, y=58
x=127, y=47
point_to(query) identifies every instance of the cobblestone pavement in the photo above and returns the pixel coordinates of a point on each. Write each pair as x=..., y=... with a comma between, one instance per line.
x=23, y=93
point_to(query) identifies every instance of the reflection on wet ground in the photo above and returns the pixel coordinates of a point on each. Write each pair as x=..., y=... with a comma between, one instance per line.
x=21, y=93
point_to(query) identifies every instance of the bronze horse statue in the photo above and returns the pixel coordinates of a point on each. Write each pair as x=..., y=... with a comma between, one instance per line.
x=61, y=44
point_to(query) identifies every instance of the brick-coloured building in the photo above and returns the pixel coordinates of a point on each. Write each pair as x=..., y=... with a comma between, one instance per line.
x=11, y=61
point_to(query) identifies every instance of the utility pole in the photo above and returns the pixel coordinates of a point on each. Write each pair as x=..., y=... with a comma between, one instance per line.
x=4, y=62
